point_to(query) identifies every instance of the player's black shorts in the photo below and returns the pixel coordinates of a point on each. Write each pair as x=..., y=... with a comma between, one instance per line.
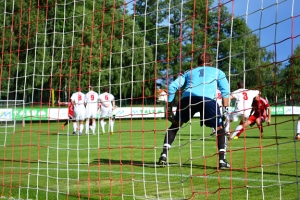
x=210, y=114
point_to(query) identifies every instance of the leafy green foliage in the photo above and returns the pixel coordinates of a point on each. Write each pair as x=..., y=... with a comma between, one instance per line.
x=53, y=46
x=59, y=47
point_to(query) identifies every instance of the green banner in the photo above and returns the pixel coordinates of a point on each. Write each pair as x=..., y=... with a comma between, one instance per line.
x=30, y=113
x=33, y=114
x=278, y=110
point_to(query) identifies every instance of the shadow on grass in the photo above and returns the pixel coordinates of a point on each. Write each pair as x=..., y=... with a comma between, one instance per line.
x=212, y=138
x=265, y=137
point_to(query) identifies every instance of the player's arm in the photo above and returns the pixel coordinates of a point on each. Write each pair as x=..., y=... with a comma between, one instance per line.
x=72, y=100
x=62, y=103
x=174, y=87
x=224, y=88
x=102, y=102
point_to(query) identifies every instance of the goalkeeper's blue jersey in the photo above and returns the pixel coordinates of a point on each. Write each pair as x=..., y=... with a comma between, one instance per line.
x=200, y=81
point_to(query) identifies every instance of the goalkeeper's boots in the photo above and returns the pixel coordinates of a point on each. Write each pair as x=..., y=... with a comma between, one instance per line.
x=162, y=160
x=223, y=164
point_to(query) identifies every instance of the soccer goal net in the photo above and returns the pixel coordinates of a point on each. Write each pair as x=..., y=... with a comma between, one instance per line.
x=134, y=50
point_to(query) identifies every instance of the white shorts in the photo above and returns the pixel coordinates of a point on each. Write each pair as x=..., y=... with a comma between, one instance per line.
x=79, y=113
x=237, y=114
x=105, y=112
x=91, y=112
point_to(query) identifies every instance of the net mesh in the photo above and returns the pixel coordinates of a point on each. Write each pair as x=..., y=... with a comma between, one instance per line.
x=136, y=48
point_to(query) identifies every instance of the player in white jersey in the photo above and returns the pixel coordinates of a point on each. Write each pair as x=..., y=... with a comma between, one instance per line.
x=91, y=107
x=107, y=102
x=77, y=99
x=219, y=100
x=243, y=104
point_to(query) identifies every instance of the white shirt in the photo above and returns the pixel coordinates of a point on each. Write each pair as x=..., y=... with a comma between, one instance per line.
x=219, y=98
x=78, y=98
x=91, y=99
x=244, y=98
x=106, y=99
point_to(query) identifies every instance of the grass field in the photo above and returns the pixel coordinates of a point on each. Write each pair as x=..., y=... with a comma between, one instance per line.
x=41, y=161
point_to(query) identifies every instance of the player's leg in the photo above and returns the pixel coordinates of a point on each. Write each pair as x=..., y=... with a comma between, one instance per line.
x=93, y=126
x=75, y=126
x=103, y=114
x=66, y=122
x=230, y=118
x=111, y=123
x=212, y=118
x=76, y=120
x=173, y=129
x=213, y=131
x=168, y=141
x=87, y=119
x=81, y=119
x=87, y=125
x=92, y=121
x=259, y=126
x=239, y=128
x=102, y=124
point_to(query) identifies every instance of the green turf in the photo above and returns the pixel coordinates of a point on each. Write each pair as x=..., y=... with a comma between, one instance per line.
x=41, y=161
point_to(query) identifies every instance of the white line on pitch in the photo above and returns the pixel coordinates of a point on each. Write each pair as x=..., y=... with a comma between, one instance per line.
x=157, y=174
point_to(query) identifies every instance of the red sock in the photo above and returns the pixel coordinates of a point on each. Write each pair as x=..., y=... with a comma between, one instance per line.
x=240, y=132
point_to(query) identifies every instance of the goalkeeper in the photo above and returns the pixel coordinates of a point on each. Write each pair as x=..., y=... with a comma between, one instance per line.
x=200, y=86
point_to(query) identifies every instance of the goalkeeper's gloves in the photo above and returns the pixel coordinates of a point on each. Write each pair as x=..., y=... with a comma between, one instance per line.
x=169, y=113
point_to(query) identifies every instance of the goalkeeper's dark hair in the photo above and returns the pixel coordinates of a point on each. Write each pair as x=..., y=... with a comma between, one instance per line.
x=204, y=58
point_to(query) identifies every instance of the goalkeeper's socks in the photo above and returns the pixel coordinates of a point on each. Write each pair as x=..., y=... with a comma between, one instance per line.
x=165, y=150
x=163, y=155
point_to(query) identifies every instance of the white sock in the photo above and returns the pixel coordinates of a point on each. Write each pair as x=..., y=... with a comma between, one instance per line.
x=102, y=123
x=81, y=128
x=93, y=126
x=75, y=126
x=112, y=126
x=237, y=130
